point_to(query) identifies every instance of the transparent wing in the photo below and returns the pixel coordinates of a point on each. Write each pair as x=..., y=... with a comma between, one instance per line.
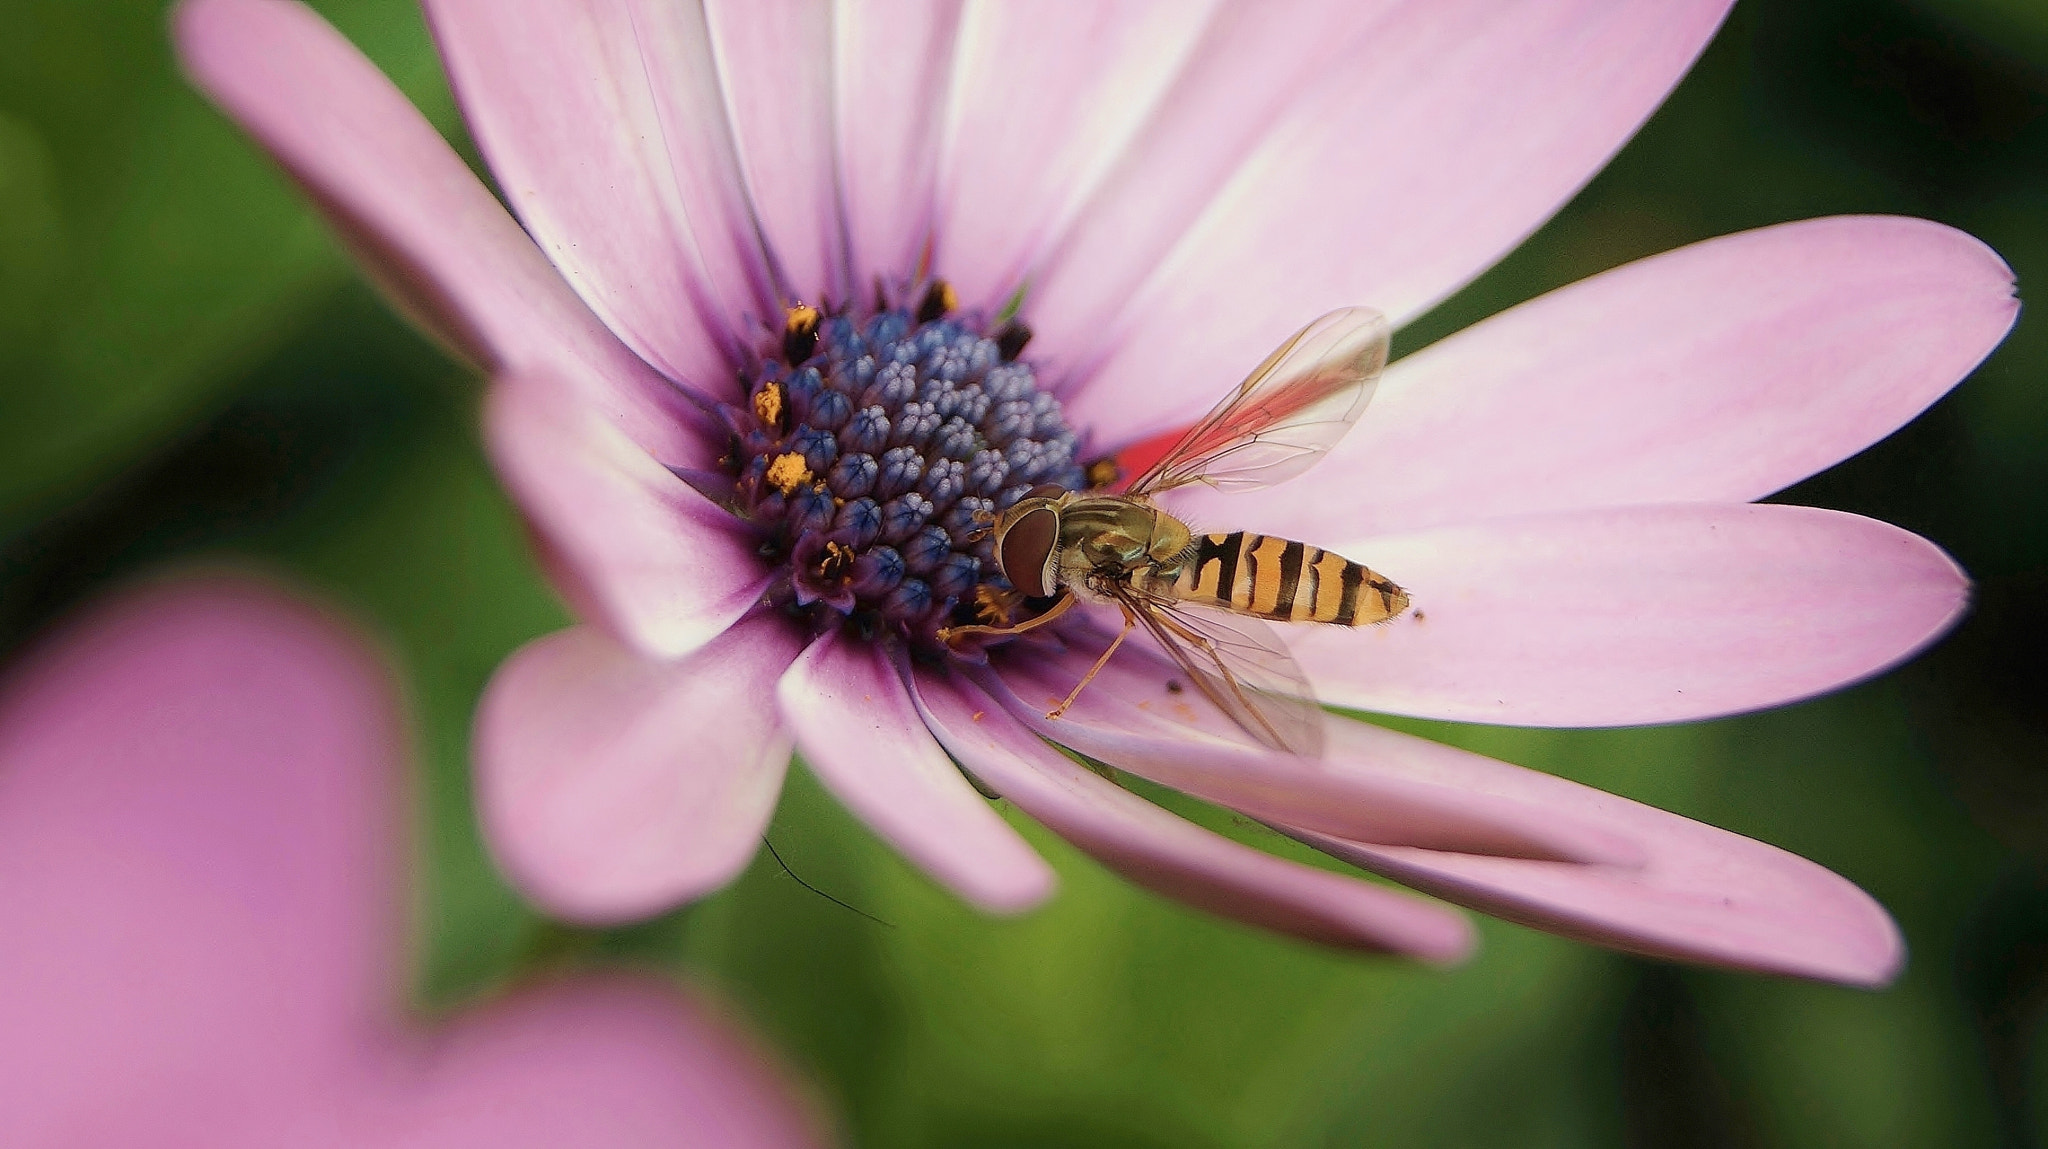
x=1286, y=414
x=1240, y=665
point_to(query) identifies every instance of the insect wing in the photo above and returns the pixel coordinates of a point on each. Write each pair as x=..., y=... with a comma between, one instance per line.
x=1286, y=414
x=1240, y=665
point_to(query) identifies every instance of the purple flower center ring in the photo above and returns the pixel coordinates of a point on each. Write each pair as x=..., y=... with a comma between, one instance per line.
x=872, y=452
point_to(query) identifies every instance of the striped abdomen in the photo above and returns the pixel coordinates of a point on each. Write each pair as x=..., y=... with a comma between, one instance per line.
x=1285, y=581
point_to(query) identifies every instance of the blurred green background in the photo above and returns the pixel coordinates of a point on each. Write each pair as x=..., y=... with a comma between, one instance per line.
x=190, y=370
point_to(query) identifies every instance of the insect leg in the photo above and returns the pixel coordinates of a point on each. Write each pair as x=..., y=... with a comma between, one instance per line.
x=948, y=633
x=1130, y=620
x=1236, y=688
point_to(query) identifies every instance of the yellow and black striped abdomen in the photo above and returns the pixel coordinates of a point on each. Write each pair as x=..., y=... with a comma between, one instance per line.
x=1285, y=581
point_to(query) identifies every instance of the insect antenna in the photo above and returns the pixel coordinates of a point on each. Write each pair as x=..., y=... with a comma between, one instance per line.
x=773, y=853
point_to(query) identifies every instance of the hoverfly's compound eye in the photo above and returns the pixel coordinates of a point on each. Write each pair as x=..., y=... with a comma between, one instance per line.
x=1025, y=551
x=1045, y=491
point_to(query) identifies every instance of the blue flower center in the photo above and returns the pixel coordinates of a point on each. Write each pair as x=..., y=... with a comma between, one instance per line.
x=873, y=453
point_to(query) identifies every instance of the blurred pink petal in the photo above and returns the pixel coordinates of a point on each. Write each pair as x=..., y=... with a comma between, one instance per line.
x=1131, y=718
x=1392, y=182
x=421, y=223
x=859, y=732
x=1719, y=372
x=1636, y=614
x=198, y=849
x=605, y=127
x=1703, y=895
x=1172, y=856
x=667, y=570
x=775, y=60
x=1046, y=97
x=602, y=1061
x=612, y=787
x=200, y=833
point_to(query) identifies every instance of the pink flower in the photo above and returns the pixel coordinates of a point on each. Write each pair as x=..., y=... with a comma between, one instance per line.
x=200, y=834
x=1166, y=191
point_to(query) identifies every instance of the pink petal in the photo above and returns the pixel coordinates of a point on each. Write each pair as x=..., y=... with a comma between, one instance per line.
x=1256, y=61
x=1172, y=856
x=422, y=224
x=617, y=1062
x=1131, y=718
x=893, y=64
x=1635, y=615
x=1703, y=895
x=198, y=847
x=605, y=126
x=647, y=555
x=775, y=60
x=860, y=734
x=1390, y=183
x=613, y=786
x=1045, y=99
x=196, y=858
x=1718, y=372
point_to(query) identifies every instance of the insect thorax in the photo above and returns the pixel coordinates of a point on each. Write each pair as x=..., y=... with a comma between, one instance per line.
x=1117, y=539
x=1115, y=531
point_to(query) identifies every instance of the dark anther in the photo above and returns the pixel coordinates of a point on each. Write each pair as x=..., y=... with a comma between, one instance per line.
x=939, y=299
x=1102, y=472
x=1010, y=340
x=837, y=561
x=799, y=333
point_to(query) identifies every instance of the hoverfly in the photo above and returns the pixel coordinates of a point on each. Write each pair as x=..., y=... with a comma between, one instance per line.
x=1122, y=550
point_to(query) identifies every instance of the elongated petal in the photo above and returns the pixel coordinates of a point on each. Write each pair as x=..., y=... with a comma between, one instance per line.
x=605, y=126
x=775, y=60
x=638, y=548
x=613, y=1061
x=1635, y=615
x=893, y=62
x=613, y=786
x=424, y=227
x=1703, y=894
x=1045, y=99
x=1256, y=61
x=860, y=734
x=1171, y=856
x=1459, y=129
x=1132, y=718
x=1719, y=372
x=197, y=851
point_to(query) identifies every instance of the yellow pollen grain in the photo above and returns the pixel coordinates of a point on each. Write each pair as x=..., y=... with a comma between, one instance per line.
x=800, y=319
x=948, y=298
x=768, y=406
x=994, y=607
x=788, y=472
